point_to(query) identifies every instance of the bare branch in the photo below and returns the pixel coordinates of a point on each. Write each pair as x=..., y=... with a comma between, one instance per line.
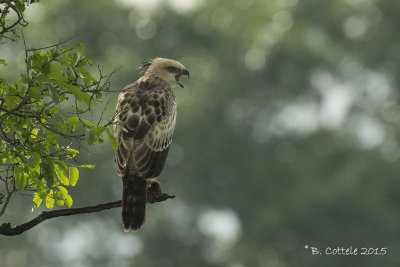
x=102, y=113
x=154, y=195
x=61, y=42
x=8, y=194
x=26, y=57
x=6, y=229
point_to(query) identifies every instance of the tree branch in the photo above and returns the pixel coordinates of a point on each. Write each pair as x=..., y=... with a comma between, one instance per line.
x=6, y=229
x=154, y=194
x=8, y=197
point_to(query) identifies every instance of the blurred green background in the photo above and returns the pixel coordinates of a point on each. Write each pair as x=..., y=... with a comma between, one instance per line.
x=287, y=134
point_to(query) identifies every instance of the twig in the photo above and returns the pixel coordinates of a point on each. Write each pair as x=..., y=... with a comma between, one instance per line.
x=102, y=113
x=61, y=42
x=26, y=56
x=20, y=20
x=8, y=196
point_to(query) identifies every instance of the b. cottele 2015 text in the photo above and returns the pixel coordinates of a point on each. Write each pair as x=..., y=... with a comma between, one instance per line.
x=349, y=251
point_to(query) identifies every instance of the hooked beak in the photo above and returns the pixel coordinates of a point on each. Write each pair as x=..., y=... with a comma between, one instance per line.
x=184, y=72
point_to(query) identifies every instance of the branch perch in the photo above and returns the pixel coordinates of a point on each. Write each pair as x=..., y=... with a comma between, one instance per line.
x=154, y=195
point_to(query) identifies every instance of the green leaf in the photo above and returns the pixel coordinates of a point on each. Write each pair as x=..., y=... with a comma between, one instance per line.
x=51, y=138
x=34, y=133
x=48, y=172
x=65, y=198
x=87, y=123
x=73, y=120
x=90, y=136
x=25, y=79
x=36, y=157
x=20, y=178
x=62, y=163
x=54, y=95
x=73, y=175
x=77, y=57
x=73, y=89
x=19, y=136
x=93, y=135
x=37, y=200
x=112, y=139
x=68, y=201
x=63, y=192
x=72, y=152
x=46, y=69
x=3, y=158
x=88, y=166
x=54, y=110
x=50, y=200
x=85, y=97
x=82, y=96
x=36, y=61
x=99, y=130
x=81, y=47
x=61, y=175
x=85, y=75
x=35, y=92
x=42, y=193
x=19, y=5
x=54, y=73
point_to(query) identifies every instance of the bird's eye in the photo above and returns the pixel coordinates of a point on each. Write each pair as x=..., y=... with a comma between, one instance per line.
x=172, y=69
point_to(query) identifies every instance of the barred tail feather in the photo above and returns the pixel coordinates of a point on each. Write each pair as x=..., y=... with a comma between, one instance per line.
x=133, y=202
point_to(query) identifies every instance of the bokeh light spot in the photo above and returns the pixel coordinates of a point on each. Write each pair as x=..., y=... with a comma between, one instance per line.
x=354, y=27
x=254, y=59
x=221, y=18
x=146, y=29
x=282, y=21
x=223, y=225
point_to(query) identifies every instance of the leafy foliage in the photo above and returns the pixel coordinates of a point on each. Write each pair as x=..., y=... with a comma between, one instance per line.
x=8, y=23
x=37, y=138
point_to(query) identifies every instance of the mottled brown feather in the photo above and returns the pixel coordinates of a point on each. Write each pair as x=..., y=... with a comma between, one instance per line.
x=144, y=142
x=140, y=111
x=146, y=110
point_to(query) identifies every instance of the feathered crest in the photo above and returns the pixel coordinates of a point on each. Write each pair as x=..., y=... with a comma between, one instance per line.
x=145, y=65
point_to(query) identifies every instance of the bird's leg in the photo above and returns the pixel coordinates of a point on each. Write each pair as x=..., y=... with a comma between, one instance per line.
x=154, y=193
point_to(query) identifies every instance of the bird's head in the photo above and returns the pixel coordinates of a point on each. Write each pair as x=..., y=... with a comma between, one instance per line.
x=169, y=69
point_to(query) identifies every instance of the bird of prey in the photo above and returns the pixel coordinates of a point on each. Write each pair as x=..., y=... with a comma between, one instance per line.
x=143, y=127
